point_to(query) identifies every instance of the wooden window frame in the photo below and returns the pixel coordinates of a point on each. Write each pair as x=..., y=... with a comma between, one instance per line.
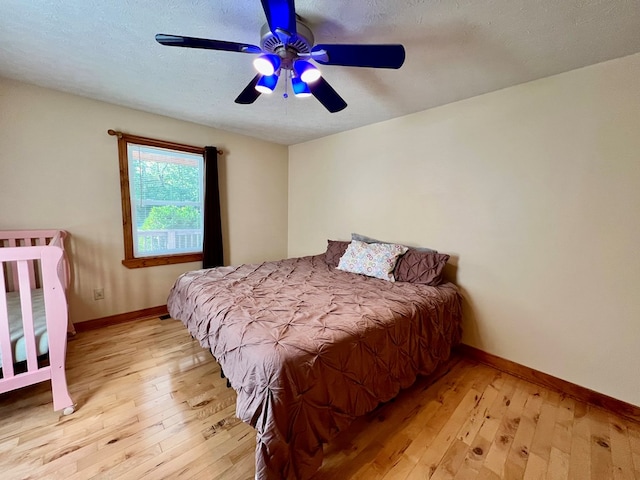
x=131, y=261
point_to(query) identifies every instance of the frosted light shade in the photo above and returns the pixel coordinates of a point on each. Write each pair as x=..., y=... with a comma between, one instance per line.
x=267, y=64
x=307, y=72
x=300, y=88
x=267, y=84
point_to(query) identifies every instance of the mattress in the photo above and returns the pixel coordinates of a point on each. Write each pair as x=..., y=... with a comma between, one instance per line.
x=308, y=348
x=16, y=329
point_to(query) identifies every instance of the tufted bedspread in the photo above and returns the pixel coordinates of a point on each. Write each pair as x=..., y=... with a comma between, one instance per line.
x=308, y=347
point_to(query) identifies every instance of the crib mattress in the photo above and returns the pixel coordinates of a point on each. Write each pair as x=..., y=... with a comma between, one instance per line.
x=16, y=329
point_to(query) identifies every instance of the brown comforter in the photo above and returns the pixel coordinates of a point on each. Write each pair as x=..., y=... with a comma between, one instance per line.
x=308, y=348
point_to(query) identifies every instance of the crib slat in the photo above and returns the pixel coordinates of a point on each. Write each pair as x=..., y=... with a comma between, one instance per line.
x=34, y=241
x=5, y=335
x=32, y=273
x=12, y=267
x=27, y=315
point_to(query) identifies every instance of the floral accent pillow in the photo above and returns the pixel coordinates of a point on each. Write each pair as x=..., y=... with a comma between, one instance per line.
x=371, y=259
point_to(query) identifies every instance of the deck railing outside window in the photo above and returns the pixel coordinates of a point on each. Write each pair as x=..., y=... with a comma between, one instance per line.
x=169, y=241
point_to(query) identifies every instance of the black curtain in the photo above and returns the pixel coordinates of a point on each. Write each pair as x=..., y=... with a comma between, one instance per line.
x=212, y=241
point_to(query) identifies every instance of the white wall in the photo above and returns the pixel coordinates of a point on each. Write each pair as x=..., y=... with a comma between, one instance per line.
x=535, y=192
x=59, y=169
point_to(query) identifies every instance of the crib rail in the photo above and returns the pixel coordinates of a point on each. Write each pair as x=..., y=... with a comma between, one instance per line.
x=25, y=238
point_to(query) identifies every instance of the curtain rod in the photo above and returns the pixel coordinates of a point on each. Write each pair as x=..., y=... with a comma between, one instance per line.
x=115, y=133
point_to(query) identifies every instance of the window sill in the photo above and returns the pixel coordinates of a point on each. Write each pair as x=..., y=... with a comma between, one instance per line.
x=161, y=260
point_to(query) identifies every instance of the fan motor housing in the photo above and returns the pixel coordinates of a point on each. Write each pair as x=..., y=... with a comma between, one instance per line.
x=300, y=43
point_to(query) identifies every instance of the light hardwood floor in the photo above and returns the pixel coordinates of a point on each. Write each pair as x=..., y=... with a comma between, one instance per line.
x=151, y=405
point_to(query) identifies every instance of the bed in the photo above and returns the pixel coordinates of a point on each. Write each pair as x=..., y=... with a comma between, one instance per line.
x=309, y=347
x=34, y=321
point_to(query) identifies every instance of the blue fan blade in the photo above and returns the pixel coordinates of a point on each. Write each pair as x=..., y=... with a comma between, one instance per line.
x=249, y=94
x=327, y=96
x=374, y=56
x=190, y=42
x=281, y=15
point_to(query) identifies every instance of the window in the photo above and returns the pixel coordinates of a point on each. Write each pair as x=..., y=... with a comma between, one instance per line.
x=162, y=201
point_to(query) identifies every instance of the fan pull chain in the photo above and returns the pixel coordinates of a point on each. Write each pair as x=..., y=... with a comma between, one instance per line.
x=287, y=79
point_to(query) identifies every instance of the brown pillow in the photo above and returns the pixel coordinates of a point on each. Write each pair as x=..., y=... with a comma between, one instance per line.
x=421, y=267
x=335, y=250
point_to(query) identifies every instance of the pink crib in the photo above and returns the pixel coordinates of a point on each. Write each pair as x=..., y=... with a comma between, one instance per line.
x=34, y=320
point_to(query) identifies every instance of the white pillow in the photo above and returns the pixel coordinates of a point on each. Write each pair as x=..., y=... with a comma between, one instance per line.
x=371, y=259
x=365, y=239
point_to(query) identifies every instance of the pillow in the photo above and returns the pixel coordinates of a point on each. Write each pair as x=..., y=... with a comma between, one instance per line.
x=335, y=250
x=365, y=239
x=371, y=259
x=421, y=267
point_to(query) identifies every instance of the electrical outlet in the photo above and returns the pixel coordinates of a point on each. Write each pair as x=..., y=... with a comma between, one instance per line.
x=98, y=293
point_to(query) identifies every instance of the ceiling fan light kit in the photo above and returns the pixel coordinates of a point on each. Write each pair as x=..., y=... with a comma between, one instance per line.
x=288, y=44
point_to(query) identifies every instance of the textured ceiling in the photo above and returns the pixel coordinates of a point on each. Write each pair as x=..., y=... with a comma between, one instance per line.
x=455, y=49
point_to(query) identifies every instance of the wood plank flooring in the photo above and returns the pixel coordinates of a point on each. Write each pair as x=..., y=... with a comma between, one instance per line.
x=152, y=405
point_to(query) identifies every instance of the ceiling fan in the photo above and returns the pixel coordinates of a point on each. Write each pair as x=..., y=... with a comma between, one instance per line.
x=287, y=48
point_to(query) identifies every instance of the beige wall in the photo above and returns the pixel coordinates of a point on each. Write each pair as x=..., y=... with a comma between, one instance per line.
x=534, y=191
x=59, y=169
